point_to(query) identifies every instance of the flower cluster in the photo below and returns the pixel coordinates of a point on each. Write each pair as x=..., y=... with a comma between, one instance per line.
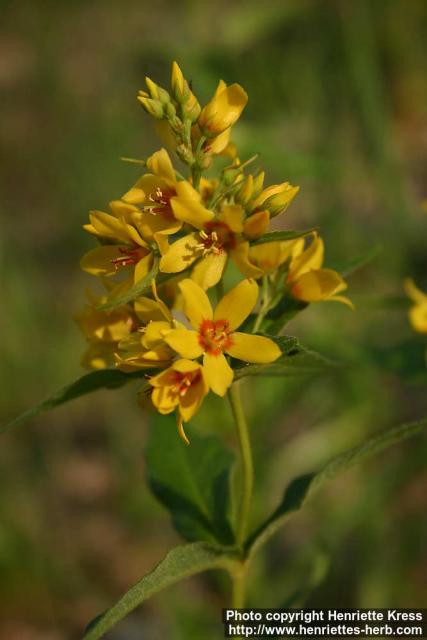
x=167, y=242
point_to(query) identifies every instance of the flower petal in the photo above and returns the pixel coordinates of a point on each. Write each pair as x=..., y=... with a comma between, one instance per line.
x=310, y=259
x=181, y=254
x=99, y=261
x=256, y=225
x=219, y=374
x=208, y=271
x=184, y=342
x=187, y=207
x=418, y=317
x=232, y=215
x=414, y=292
x=237, y=304
x=240, y=255
x=197, y=306
x=317, y=285
x=164, y=401
x=191, y=401
x=107, y=226
x=252, y=348
x=160, y=164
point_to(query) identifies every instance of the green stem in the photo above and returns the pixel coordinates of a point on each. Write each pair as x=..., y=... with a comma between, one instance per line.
x=239, y=586
x=247, y=464
x=265, y=301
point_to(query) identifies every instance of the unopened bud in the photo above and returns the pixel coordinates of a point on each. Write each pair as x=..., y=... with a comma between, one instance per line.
x=153, y=107
x=245, y=192
x=170, y=110
x=156, y=92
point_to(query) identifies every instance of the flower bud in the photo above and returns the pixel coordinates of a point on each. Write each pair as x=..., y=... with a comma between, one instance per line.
x=190, y=108
x=156, y=92
x=223, y=110
x=281, y=199
x=153, y=107
x=245, y=192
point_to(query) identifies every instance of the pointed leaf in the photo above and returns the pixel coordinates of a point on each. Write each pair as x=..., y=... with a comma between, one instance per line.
x=303, y=487
x=181, y=562
x=280, y=236
x=295, y=360
x=192, y=481
x=102, y=379
x=350, y=267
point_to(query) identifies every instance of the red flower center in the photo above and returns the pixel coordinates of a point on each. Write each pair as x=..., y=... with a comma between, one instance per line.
x=183, y=381
x=160, y=199
x=215, y=336
x=129, y=256
x=216, y=236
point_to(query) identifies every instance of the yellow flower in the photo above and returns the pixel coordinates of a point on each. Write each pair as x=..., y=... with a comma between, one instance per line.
x=129, y=248
x=146, y=347
x=223, y=110
x=217, y=238
x=418, y=312
x=104, y=330
x=182, y=387
x=271, y=255
x=308, y=282
x=153, y=192
x=214, y=332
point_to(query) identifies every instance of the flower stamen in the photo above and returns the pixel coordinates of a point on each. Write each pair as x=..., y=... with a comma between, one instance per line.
x=215, y=336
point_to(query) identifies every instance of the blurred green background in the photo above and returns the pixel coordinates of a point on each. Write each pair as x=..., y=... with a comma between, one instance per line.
x=338, y=105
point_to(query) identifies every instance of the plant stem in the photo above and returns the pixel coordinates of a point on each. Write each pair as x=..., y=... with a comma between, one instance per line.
x=265, y=301
x=238, y=593
x=247, y=464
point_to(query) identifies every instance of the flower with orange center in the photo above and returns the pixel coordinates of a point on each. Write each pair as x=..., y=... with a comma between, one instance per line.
x=181, y=387
x=145, y=347
x=123, y=247
x=153, y=193
x=217, y=239
x=214, y=332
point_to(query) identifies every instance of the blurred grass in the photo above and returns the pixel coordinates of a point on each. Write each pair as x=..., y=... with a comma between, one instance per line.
x=338, y=104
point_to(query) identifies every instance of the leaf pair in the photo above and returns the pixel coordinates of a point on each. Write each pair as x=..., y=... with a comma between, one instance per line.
x=193, y=558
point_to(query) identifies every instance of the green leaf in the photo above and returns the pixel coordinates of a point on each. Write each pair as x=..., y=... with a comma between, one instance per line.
x=350, y=267
x=303, y=487
x=181, y=562
x=102, y=379
x=282, y=313
x=295, y=360
x=280, y=236
x=192, y=481
x=139, y=288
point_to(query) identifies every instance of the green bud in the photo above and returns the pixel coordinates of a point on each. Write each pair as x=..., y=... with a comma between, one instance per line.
x=153, y=107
